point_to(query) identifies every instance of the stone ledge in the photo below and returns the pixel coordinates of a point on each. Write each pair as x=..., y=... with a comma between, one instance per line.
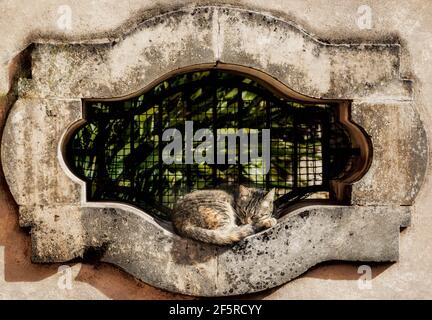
x=154, y=254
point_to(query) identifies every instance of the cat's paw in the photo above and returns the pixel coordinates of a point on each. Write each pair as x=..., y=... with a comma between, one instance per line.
x=271, y=222
x=266, y=223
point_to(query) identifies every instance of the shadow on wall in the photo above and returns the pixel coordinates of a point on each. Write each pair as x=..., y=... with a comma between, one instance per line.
x=341, y=270
x=16, y=241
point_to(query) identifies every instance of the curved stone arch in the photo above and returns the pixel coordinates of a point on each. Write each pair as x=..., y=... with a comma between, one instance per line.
x=64, y=225
x=210, y=34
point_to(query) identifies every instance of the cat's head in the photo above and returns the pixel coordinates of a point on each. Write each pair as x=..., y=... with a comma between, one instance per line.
x=254, y=204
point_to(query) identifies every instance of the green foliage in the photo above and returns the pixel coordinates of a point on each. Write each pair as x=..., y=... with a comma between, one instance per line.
x=118, y=150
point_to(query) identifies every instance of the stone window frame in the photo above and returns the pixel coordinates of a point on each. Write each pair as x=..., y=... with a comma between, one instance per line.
x=64, y=226
x=339, y=188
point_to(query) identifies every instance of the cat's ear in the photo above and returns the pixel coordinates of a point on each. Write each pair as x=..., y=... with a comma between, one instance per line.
x=270, y=195
x=244, y=191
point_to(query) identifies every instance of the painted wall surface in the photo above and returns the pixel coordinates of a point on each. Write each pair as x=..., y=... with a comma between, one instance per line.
x=409, y=24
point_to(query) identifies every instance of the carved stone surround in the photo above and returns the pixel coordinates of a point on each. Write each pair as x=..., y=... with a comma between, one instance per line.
x=64, y=225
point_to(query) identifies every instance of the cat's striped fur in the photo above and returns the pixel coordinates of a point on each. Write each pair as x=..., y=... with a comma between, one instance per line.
x=223, y=216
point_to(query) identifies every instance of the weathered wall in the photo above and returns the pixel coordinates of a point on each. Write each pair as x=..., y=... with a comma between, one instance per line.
x=328, y=21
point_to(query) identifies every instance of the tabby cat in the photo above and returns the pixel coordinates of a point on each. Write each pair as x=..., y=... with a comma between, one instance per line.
x=224, y=216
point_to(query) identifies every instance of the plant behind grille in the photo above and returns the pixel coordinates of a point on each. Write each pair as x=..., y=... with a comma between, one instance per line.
x=118, y=151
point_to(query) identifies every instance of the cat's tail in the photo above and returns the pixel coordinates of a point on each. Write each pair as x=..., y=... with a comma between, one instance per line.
x=219, y=236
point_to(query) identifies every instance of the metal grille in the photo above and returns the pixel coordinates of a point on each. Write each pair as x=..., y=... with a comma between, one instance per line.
x=118, y=151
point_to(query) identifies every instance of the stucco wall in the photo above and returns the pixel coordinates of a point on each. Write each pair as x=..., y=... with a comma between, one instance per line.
x=327, y=20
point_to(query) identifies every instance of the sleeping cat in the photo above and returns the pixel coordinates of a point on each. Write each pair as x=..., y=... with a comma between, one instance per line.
x=224, y=216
